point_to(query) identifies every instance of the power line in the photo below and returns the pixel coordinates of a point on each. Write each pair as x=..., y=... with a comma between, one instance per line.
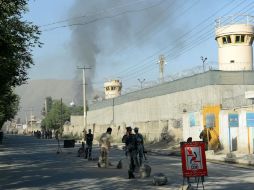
x=200, y=41
x=155, y=21
x=91, y=14
x=103, y=18
x=130, y=69
x=142, y=36
x=191, y=41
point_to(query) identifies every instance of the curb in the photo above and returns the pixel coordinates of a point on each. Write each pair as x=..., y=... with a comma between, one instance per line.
x=248, y=164
x=241, y=163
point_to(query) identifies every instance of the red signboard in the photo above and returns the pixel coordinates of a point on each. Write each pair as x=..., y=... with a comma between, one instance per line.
x=193, y=159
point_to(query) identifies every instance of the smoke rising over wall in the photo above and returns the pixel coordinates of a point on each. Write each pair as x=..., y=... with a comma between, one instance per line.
x=108, y=27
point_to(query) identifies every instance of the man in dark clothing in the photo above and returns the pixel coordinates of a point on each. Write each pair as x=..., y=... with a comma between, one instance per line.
x=140, y=146
x=125, y=147
x=89, y=144
x=131, y=145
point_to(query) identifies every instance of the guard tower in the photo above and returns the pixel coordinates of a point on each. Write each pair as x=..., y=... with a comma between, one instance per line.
x=234, y=35
x=112, y=88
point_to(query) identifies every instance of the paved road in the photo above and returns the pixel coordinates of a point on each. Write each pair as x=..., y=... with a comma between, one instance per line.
x=29, y=163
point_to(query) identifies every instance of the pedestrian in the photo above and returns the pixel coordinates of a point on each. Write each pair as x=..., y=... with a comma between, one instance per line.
x=125, y=146
x=131, y=144
x=50, y=134
x=140, y=146
x=205, y=135
x=89, y=144
x=105, y=144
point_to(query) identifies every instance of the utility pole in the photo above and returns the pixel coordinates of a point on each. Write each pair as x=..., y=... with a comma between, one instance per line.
x=113, y=111
x=84, y=94
x=162, y=62
x=31, y=119
x=203, y=61
x=141, y=82
x=61, y=127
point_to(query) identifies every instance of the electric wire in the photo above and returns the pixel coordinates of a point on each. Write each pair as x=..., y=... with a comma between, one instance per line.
x=103, y=18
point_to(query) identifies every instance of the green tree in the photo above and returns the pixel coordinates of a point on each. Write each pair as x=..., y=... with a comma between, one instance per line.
x=8, y=107
x=57, y=116
x=17, y=38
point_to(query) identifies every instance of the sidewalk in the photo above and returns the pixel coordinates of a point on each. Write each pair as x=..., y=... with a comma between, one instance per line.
x=242, y=160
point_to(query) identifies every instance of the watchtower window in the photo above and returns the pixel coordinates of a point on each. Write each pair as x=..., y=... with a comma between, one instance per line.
x=226, y=40
x=239, y=39
x=107, y=88
x=113, y=87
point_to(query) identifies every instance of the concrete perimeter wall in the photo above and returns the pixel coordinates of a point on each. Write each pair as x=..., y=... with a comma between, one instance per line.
x=158, y=110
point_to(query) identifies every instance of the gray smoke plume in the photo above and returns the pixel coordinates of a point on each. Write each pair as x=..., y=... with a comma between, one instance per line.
x=107, y=26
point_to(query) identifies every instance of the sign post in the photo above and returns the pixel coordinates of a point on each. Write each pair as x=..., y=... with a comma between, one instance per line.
x=193, y=161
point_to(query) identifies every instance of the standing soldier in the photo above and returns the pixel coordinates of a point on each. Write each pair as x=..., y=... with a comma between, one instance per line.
x=131, y=146
x=105, y=143
x=125, y=146
x=89, y=144
x=140, y=146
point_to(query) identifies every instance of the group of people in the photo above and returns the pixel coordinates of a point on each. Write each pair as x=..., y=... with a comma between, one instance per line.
x=45, y=134
x=134, y=148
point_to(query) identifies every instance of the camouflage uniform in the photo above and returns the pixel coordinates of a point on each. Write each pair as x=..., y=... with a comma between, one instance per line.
x=105, y=142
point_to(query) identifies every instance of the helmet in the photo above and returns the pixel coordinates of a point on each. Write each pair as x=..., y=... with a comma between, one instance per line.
x=129, y=128
x=136, y=129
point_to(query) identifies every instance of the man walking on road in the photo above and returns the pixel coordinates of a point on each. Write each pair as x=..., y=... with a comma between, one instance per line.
x=105, y=143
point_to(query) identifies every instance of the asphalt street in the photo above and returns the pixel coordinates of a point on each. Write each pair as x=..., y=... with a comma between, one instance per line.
x=30, y=163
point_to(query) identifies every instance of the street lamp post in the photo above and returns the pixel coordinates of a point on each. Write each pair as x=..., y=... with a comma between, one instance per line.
x=203, y=60
x=141, y=82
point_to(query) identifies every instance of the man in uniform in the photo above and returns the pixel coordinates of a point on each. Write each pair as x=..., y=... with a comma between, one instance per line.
x=105, y=143
x=89, y=144
x=140, y=146
x=131, y=145
x=125, y=147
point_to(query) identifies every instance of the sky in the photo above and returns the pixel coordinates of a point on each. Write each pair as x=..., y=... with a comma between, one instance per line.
x=123, y=40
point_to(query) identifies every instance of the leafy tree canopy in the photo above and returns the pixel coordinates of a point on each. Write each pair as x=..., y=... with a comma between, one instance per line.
x=17, y=38
x=57, y=116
